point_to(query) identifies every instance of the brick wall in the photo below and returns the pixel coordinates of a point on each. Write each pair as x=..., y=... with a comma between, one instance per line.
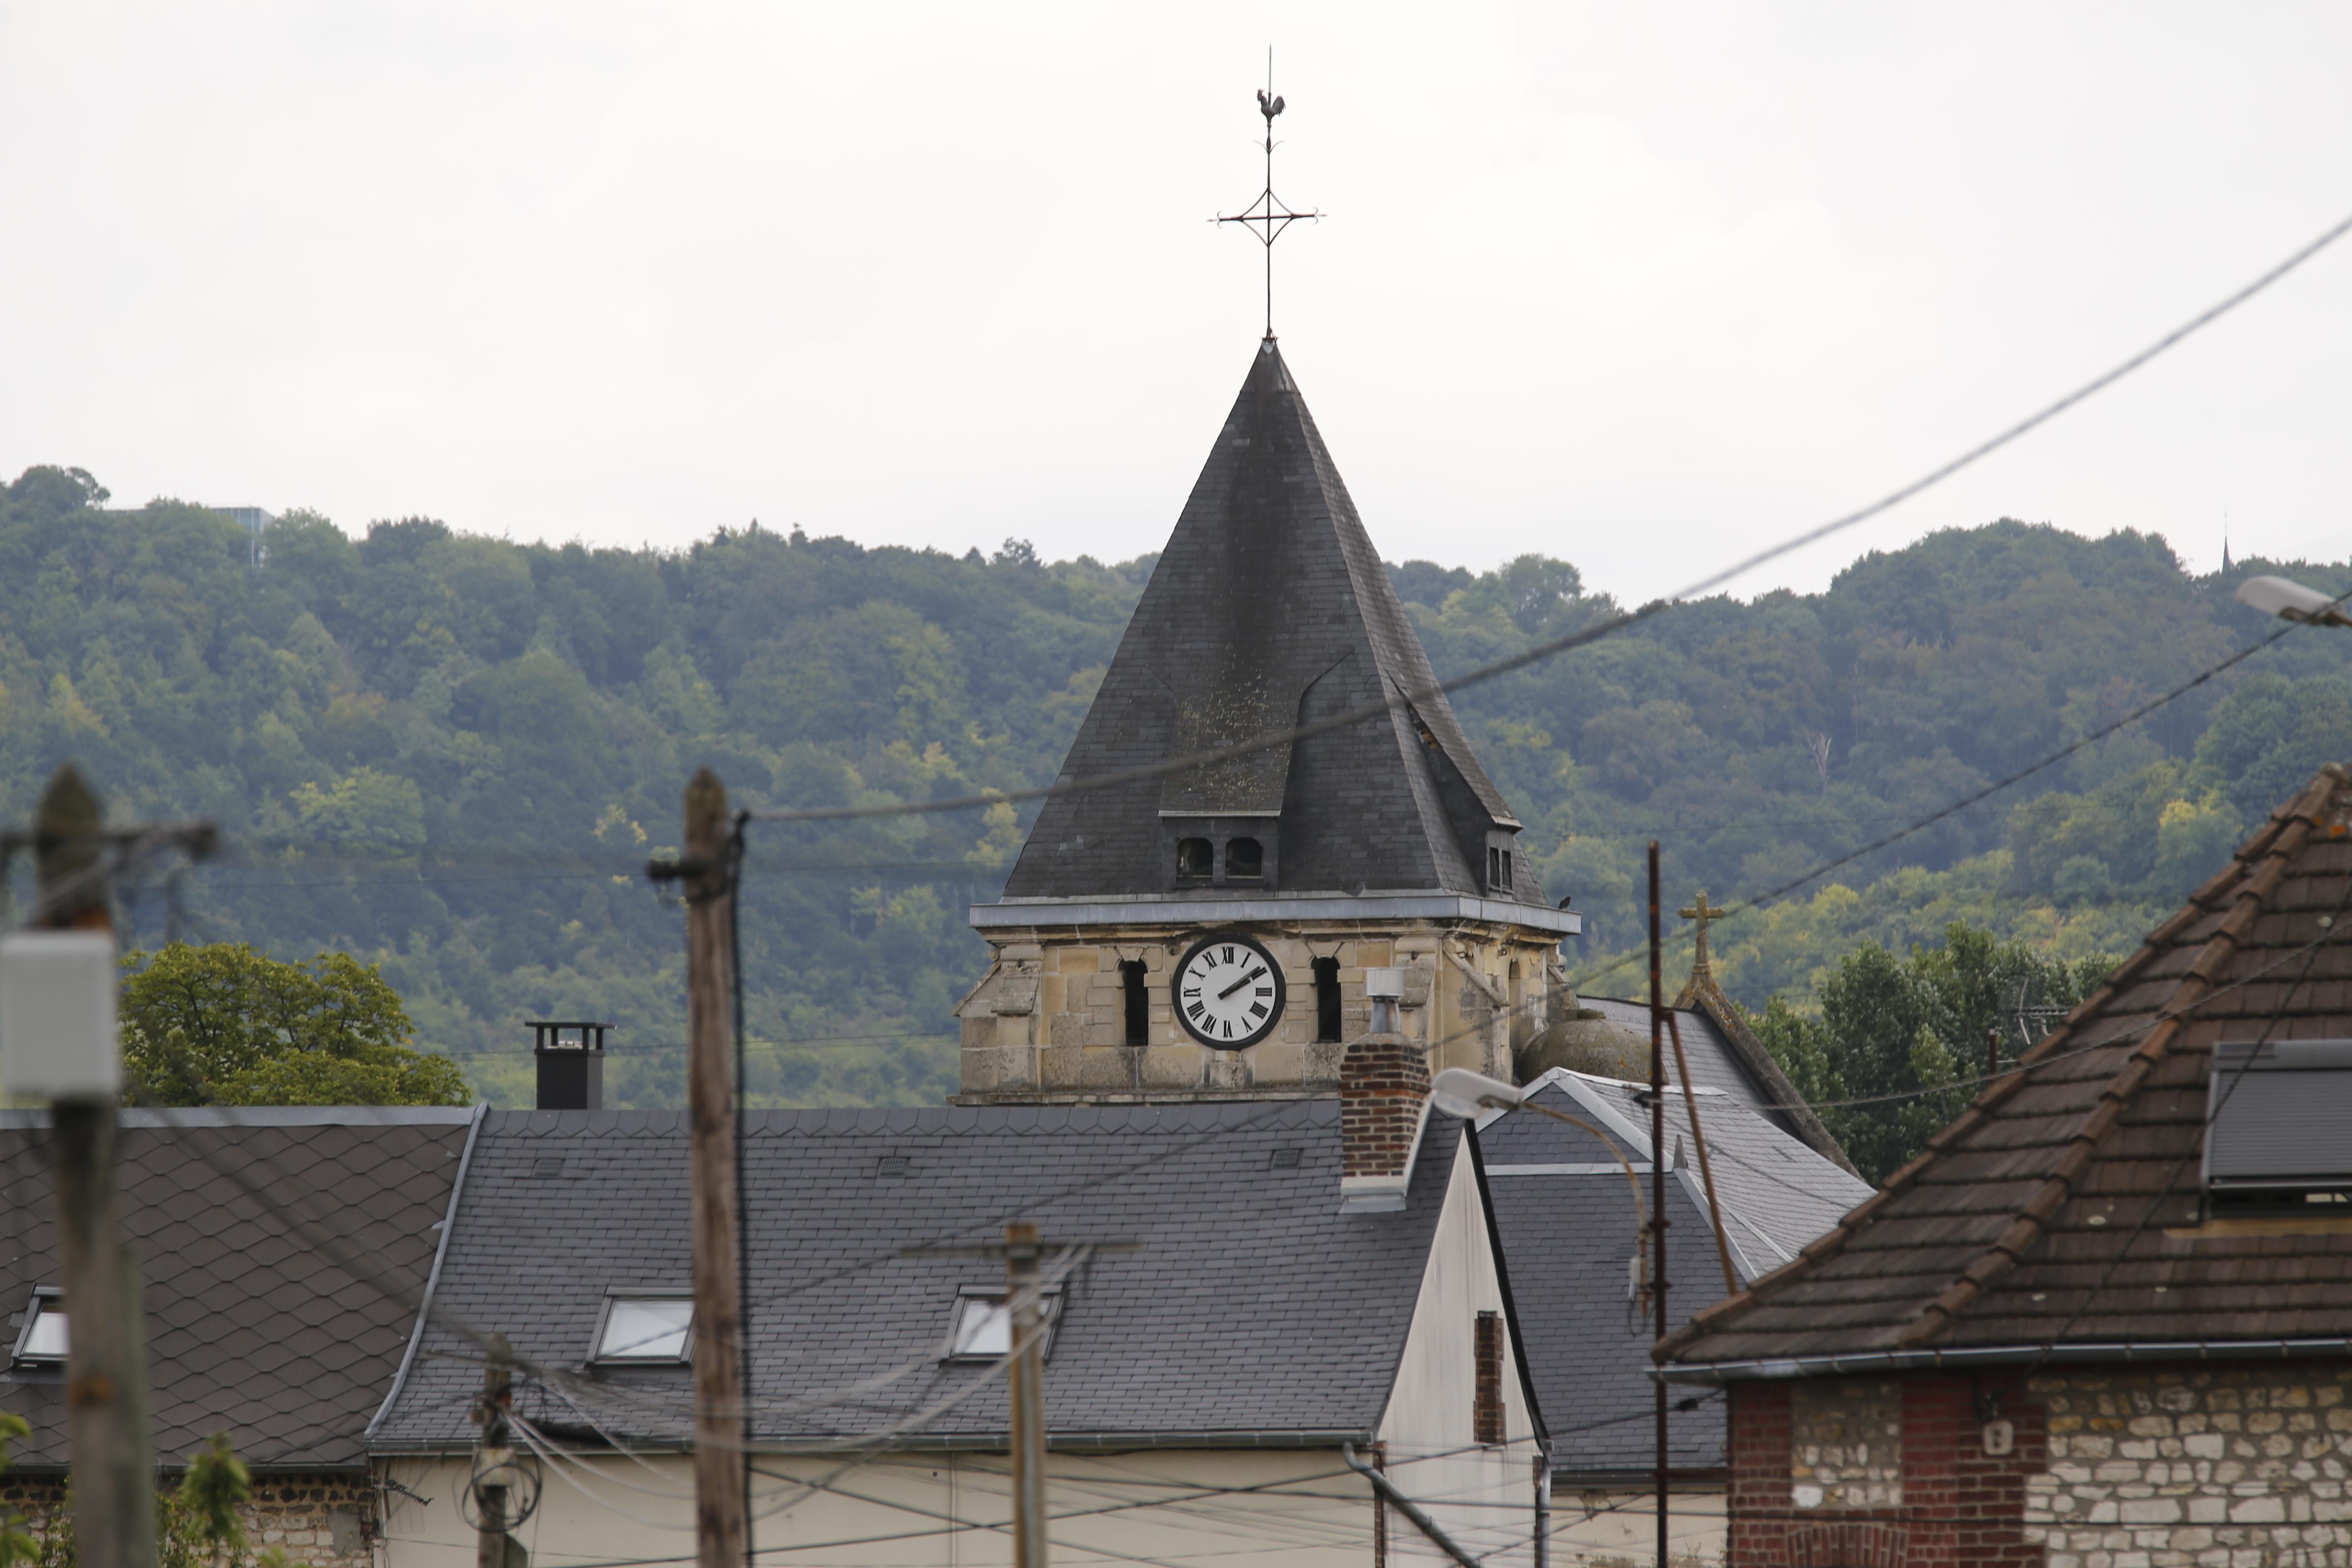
x=1945, y=1503
x=327, y=1519
x=1382, y=1081
x=2198, y=1466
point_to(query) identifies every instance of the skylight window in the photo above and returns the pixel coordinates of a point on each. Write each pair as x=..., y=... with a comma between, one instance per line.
x=2275, y=1141
x=982, y=1328
x=642, y=1330
x=42, y=1340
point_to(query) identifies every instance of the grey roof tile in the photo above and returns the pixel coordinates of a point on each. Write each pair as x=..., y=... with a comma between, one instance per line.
x=1270, y=608
x=1569, y=1237
x=251, y=1328
x=1252, y=1303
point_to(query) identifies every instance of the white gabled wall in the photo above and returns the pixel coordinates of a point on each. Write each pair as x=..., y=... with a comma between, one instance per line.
x=1482, y=1497
x=1210, y=1508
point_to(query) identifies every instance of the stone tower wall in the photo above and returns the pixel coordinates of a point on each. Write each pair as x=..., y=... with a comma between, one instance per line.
x=1049, y=1020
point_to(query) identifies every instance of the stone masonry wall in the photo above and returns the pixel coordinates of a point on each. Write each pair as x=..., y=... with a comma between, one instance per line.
x=1846, y=1438
x=327, y=1519
x=1049, y=1021
x=2212, y=1464
x=1959, y=1505
x=2206, y=1466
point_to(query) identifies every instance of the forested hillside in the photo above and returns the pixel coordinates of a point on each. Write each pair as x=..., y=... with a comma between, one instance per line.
x=453, y=753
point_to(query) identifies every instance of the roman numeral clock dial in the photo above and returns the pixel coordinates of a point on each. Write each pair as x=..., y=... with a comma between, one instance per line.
x=1228, y=991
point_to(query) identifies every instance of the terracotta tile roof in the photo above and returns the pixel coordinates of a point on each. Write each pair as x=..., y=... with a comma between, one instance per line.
x=2063, y=1207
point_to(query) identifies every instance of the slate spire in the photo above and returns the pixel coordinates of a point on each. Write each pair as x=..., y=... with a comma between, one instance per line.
x=1268, y=609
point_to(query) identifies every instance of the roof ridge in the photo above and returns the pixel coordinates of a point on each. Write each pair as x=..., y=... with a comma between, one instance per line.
x=2032, y=1223
x=2270, y=845
x=1811, y=1130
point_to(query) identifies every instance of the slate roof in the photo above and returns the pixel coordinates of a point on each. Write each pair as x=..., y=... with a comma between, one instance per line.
x=1778, y=1192
x=1252, y=1310
x=251, y=1328
x=1569, y=1236
x=1724, y=1054
x=1270, y=608
x=2063, y=1209
x=1568, y=1239
x=1713, y=1063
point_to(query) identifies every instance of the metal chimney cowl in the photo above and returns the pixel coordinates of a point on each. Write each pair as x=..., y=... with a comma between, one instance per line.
x=570, y=1058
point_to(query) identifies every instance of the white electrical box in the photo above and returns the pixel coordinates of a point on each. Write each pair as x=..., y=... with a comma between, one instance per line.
x=56, y=1014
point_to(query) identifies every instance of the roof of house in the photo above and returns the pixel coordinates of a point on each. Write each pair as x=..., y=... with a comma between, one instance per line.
x=2062, y=1212
x=1713, y=1063
x=1567, y=1219
x=1569, y=1240
x=1250, y=1309
x=256, y=1326
x=1269, y=609
x=1725, y=1054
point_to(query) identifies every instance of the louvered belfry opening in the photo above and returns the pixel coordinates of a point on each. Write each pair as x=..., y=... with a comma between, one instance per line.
x=571, y=1056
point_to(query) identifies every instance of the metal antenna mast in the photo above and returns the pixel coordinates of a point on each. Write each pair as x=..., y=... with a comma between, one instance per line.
x=1268, y=215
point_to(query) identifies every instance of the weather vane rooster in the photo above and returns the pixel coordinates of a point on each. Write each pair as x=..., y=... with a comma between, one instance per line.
x=1267, y=217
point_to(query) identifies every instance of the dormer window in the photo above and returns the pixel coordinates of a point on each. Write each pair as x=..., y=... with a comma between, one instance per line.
x=2274, y=1121
x=982, y=1328
x=1245, y=858
x=646, y=1328
x=1195, y=858
x=41, y=1337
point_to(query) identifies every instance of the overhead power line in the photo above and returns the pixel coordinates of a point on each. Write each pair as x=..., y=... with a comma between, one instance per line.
x=1608, y=626
x=1918, y=824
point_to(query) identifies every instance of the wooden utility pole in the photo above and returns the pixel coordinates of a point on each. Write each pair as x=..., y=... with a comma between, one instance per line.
x=106, y=1355
x=494, y=1456
x=1026, y=1371
x=1658, y=1175
x=720, y=1431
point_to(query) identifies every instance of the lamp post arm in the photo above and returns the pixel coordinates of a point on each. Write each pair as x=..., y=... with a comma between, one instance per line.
x=1640, y=1211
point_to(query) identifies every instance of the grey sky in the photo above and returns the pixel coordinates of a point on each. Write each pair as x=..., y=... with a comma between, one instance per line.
x=1636, y=286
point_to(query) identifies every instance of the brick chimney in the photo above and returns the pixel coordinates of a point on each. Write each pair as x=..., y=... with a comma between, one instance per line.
x=1383, y=1104
x=570, y=1071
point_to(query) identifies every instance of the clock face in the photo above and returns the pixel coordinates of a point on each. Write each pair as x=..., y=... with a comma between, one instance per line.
x=1228, y=991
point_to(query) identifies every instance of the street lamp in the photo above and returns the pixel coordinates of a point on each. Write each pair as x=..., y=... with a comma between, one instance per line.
x=2291, y=601
x=1458, y=1091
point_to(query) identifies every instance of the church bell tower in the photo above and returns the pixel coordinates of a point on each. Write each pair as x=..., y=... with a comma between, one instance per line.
x=1202, y=932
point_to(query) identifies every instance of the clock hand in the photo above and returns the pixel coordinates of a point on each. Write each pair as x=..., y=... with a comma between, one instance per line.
x=1237, y=984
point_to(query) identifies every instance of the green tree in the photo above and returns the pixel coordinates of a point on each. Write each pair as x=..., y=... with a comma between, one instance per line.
x=200, y=1524
x=16, y=1541
x=422, y=740
x=207, y=1514
x=1898, y=1045
x=224, y=1024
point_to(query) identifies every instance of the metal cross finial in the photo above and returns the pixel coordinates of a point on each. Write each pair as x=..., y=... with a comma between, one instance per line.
x=1706, y=914
x=1268, y=215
